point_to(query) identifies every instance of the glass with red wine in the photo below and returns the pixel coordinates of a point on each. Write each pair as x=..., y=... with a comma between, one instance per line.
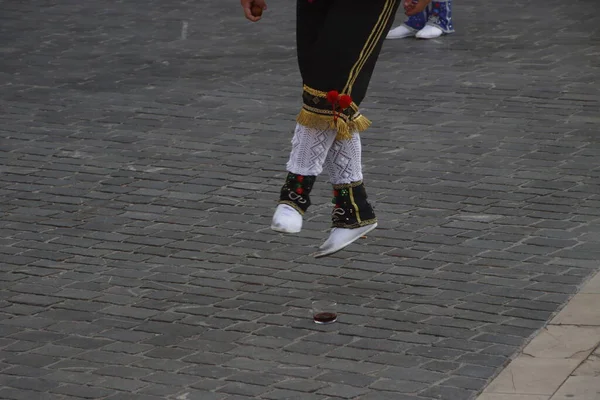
x=324, y=312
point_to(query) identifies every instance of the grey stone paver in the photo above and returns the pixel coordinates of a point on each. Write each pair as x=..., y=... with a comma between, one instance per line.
x=560, y=362
x=143, y=145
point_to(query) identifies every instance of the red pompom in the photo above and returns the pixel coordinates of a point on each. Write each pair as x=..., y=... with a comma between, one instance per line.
x=345, y=101
x=332, y=96
x=299, y=190
x=299, y=178
x=336, y=193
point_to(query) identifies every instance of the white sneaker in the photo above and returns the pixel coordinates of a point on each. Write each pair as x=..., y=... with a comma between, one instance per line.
x=286, y=219
x=342, y=237
x=400, y=32
x=429, y=32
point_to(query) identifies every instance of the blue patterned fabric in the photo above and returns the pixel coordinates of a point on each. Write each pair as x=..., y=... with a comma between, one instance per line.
x=437, y=13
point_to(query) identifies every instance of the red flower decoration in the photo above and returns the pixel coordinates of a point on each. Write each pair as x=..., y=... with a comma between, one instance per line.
x=345, y=101
x=300, y=178
x=332, y=96
x=299, y=190
x=336, y=193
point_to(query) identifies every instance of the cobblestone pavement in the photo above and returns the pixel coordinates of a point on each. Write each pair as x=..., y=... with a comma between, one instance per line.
x=143, y=146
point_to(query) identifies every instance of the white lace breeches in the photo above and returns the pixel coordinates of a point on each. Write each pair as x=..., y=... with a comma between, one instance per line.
x=313, y=149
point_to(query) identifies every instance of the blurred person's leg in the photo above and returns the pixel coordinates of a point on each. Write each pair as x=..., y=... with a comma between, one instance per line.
x=439, y=20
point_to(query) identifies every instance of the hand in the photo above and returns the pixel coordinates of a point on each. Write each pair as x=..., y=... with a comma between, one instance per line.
x=247, y=6
x=415, y=7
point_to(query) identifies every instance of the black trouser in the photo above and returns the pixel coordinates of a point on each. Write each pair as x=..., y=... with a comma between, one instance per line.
x=339, y=42
x=338, y=45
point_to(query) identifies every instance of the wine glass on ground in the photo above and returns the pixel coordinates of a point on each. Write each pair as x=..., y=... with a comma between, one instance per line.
x=324, y=311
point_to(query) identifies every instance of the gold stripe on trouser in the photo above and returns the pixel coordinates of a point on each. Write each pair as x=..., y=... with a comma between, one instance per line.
x=356, y=210
x=370, y=44
x=377, y=32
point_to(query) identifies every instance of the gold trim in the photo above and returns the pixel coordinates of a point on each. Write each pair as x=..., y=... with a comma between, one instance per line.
x=356, y=210
x=325, y=112
x=293, y=205
x=361, y=123
x=347, y=185
x=370, y=44
x=321, y=94
x=357, y=118
x=345, y=129
x=315, y=120
x=354, y=226
x=314, y=92
x=373, y=45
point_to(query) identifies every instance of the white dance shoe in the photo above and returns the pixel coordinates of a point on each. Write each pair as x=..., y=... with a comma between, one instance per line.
x=429, y=32
x=286, y=219
x=342, y=237
x=400, y=32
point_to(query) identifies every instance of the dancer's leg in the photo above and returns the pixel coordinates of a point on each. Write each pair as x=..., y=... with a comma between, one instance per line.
x=309, y=150
x=338, y=45
x=309, y=144
x=352, y=214
x=340, y=56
